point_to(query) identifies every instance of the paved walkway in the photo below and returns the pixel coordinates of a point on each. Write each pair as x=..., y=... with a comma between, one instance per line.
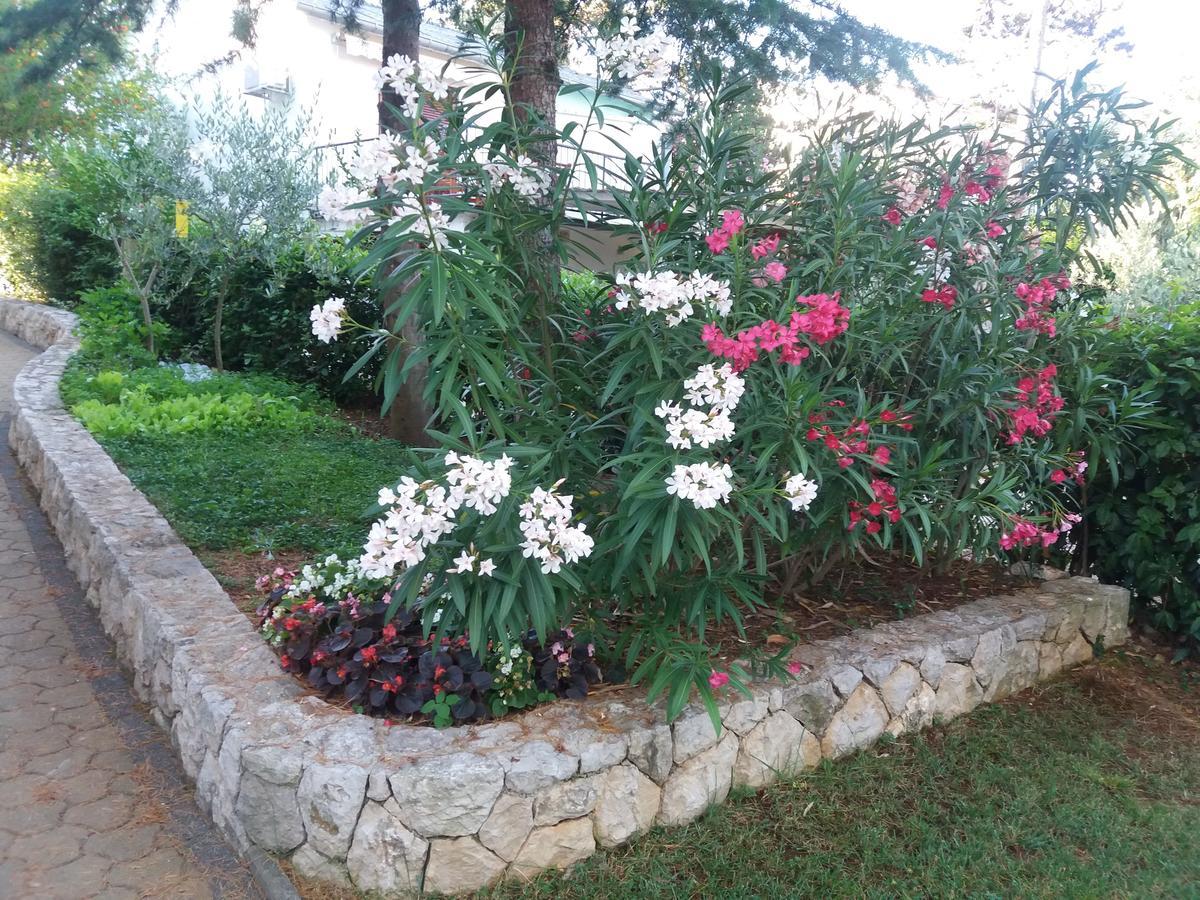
x=92, y=801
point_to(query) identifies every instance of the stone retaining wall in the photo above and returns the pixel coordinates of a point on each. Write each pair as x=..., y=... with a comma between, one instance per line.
x=405, y=808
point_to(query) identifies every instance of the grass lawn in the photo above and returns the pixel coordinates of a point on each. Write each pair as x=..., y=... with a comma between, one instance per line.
x=1086, y=787
x=261, y=490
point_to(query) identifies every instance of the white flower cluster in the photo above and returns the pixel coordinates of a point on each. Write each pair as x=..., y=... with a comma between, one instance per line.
x=430, y=222
x=628, y=56
x=375, y=160
x=327, y=319
x=316, y=577
x=550, y=538
x=526, y=178
x=419, y=515
x=688, y=427
x=515, y=653
x=800, y=492
x=470, y=562
x=333, y=202
x=1136, y=155
x=672, y=295
x=935, y=266
x=407, y=79
x=704, y=484
x=481, y=485
x=719, y=389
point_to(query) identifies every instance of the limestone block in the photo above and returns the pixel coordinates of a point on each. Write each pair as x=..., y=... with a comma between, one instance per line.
x=899, y=687
x=653, y=751
x=554, y=847
x=385, y=856
x=958, y=692
x=856, y=725
x=447, y=796
x=565, y=800
x=331, y=797
x=461, y=865
x=508, y=826
x=700, y=782
x=626, y=805
x=778, y=746
x=812, y=703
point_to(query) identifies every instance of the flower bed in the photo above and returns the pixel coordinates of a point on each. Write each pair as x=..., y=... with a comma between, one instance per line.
x=396, y=809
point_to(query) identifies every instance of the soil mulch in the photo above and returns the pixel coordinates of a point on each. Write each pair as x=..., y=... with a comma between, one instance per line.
x=860, y=596
x=236, y=572
x=366, y=420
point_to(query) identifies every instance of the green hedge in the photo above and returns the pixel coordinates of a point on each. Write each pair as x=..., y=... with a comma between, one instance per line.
x=1145, y=529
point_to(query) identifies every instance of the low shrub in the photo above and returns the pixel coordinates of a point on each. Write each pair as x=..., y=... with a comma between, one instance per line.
x=111, y=332
x=267, y=318
x=330, y=625
x=1145, y=527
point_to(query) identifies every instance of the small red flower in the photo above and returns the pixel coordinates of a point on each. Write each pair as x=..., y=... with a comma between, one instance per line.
x=892, y=216
x=717, y=679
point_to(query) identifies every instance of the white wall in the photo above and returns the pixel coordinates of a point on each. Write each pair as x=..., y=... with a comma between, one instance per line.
x=332, y=74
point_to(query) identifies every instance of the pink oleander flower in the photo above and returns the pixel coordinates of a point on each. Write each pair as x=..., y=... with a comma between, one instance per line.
x=978, y=191
x=944, y=195
x=795, y=668
x=945, y=295
x=893, y=216
x=717, y=680
x=1058, y=476
x=718, y=241
x=766, y=246
x=993, y=230
x=775, y=270
x=732, y=221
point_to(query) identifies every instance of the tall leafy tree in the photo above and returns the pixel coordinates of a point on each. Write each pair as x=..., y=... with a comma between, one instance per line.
x=409, y=413
x=67, y=34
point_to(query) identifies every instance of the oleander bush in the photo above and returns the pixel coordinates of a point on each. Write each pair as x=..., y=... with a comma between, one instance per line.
x=852, y=356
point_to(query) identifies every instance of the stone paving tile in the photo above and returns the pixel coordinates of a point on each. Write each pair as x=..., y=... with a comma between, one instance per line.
x=92, y=801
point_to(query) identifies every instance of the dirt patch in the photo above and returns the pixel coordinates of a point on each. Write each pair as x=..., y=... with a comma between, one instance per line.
x=236, y=572
x=1159, y=697
x=366, y=421
x=862, y=596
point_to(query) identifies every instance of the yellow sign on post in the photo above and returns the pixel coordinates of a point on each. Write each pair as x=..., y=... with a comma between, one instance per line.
x=181, y=218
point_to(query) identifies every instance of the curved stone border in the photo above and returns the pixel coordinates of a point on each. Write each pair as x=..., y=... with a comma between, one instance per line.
x=405, y=808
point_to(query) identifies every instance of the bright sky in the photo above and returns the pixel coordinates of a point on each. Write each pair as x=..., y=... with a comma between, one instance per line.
x=1163, y=32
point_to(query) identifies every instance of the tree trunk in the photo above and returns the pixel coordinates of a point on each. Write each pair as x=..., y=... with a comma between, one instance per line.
x=409, y=414
x=218, y=314
x=530, y=39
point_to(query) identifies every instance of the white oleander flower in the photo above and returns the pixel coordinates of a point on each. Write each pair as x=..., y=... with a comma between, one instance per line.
x=800, y=492
x=327, y=319
x=550, y=538
x=718, y=387
x=703, y=484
